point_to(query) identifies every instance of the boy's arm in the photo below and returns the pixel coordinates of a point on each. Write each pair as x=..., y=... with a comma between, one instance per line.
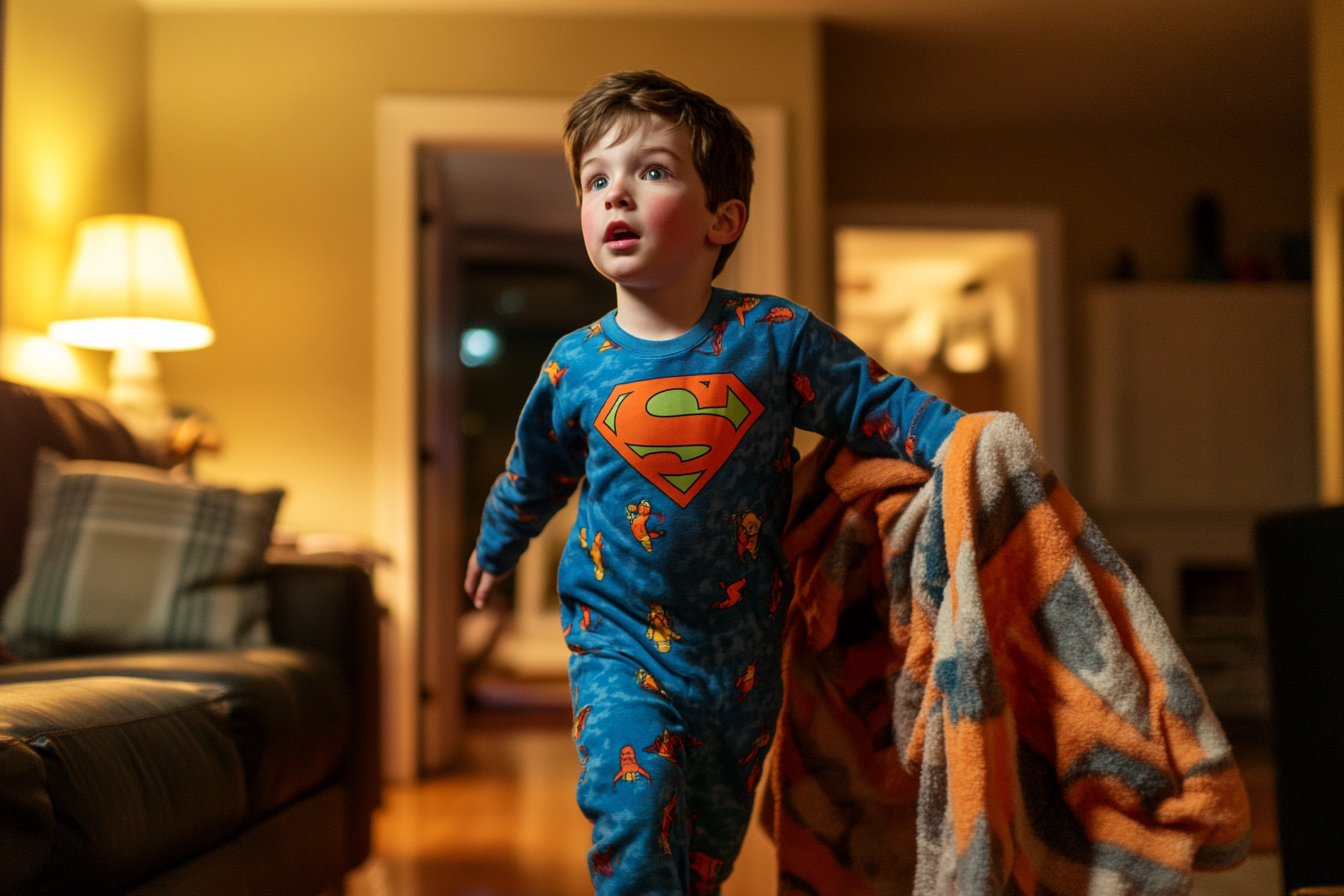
x=543, y=468
x=844, y=395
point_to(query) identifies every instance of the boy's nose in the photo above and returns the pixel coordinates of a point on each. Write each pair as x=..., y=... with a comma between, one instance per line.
x=617, y=195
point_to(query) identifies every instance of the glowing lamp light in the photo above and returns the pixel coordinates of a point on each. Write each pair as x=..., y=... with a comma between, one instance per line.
x=131, y=284
x=480, y=347
x=131, y=289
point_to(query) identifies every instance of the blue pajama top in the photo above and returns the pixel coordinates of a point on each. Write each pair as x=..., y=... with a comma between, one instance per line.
x=683, y=448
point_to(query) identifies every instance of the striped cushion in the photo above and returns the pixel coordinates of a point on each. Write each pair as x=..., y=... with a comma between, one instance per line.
x=121, y=556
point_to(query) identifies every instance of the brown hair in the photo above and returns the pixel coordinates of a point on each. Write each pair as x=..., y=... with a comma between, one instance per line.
x=720, y=144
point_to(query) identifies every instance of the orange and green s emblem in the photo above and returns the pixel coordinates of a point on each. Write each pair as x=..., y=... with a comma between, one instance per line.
x=678, y=431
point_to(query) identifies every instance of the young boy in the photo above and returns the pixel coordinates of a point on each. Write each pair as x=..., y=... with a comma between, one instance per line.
x=676, y=412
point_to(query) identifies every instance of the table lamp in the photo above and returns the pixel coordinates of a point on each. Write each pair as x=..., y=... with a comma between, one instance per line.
x=131, y=290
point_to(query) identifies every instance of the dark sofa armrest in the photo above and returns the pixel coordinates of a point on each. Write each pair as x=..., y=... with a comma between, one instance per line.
x=327, y=606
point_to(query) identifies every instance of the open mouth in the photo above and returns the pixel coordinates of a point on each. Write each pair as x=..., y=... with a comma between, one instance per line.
x=619, y=234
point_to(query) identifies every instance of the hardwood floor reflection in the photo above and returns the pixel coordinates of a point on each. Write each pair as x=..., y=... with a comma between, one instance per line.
x=506, y=824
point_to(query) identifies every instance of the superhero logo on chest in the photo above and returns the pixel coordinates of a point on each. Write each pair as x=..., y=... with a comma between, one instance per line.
x=678, y=431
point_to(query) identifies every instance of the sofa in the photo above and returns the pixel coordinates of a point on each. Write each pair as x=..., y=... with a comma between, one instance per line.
x=186, y=771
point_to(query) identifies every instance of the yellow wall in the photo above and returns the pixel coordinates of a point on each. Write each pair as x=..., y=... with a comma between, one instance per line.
x=1328, y=125
x=74, y=130
x=262, y=143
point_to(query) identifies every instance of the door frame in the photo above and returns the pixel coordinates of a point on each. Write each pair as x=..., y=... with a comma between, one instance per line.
x=1044, y=224
x=402, y=124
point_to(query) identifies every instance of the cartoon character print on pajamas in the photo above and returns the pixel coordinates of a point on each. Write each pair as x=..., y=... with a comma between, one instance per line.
x=576, y=732
x=583, y=764
x=630, y=768
x=756, y=758
x=660, y=629
x=705, y=869
x=776, y=315
x=748, y=533
x=649, y=683
x=802, y=384
x=595, y=551
x=667, y=744
x=784, y=463
x=669, y=816
x=715, y=340
x=554, y=372
x=733, y=594
x=746, y=682
x=640, y=515
x=580, y=722
x=879, y=426
x=589, y=620
x=595, y=329
x=742, y=305
x=603, y=861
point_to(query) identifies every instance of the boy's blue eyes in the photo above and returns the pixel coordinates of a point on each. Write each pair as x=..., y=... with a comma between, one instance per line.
x=601, y=181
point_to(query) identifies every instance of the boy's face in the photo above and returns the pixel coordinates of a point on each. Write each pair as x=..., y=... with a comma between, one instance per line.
x=644, y=209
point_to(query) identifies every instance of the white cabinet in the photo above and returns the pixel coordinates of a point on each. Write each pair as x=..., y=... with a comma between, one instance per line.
x=1199, y=411
x=1200, y=396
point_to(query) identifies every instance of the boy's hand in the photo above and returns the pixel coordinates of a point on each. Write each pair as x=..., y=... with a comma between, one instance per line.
x=479, y=582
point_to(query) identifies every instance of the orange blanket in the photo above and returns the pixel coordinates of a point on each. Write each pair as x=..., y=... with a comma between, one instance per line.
x=980, y=697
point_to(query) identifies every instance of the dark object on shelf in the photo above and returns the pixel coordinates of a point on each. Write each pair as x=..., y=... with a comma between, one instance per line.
x=1209, y=259
x=1295, y=255
x=1218, y=591
x=1124, y=267
x=1301, y=568
x=1255, y=268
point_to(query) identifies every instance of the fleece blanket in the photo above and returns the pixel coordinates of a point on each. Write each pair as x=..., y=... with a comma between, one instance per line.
x=980, y=697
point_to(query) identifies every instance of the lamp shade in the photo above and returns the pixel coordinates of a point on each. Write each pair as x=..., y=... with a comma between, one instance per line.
x=131, y=285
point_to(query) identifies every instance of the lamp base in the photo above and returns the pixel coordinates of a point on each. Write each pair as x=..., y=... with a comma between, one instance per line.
x=137, y=393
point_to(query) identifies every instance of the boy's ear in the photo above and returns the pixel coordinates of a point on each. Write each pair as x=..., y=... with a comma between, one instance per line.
x=729, y=219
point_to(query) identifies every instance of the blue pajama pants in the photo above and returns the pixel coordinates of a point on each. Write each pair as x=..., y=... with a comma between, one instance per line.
x=670, y=767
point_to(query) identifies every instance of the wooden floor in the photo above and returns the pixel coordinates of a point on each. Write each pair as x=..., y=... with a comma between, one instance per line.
x=506, y=825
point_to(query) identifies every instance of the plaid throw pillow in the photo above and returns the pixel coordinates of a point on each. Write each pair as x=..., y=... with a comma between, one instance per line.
x=121, y=556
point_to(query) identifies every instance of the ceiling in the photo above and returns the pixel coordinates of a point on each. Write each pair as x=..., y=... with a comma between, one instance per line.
x=1118, y=64
x=1117, y=19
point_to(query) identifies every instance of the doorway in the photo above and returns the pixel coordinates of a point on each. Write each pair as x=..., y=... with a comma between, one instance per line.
x=965, y=300
x=503, y=275
x=950, y=309
x=420, y=660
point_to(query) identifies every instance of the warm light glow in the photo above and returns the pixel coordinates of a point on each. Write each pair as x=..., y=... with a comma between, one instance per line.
x=32, y=358
x=131, y=283
x=968, y=354
x=49, y=186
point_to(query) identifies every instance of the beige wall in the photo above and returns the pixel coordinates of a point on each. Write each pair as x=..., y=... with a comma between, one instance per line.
x=261, y=136
x=1328, y=126
x=74, y=129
